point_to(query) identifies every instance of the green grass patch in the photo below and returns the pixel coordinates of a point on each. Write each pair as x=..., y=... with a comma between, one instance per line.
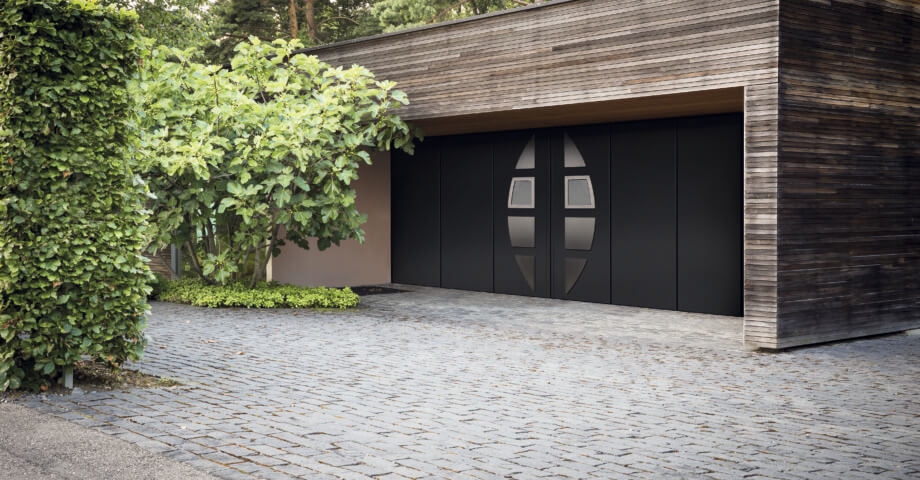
x=264, y=295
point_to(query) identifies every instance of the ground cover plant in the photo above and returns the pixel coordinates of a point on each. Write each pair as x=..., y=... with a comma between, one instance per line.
x=73, y=281
x=262, y=295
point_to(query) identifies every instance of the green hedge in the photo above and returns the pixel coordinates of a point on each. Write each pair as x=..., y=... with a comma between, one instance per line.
x=72, y=222
x=265, y=295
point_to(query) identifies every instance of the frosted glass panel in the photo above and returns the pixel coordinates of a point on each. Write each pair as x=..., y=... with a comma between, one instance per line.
x=578, y=192
x=521, y=230
x=579, y=233
x=527, y=265
x=521, y=194
x=573, y=269
x=571, y=154
x=527, y=158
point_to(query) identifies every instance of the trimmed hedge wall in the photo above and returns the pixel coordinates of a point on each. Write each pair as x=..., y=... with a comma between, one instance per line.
x=264, y=295
x=72, y=223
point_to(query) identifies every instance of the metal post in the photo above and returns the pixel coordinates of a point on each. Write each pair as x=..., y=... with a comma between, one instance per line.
x=175, y=255
x=68, y=377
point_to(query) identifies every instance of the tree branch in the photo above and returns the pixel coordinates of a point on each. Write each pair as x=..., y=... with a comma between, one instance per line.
x=193, y=258
x=340, y=18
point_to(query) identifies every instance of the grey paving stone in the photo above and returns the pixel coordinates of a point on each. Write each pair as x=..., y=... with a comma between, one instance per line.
x=448, y=384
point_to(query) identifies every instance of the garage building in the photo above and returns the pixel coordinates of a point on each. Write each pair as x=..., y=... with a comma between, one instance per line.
x=755, y=158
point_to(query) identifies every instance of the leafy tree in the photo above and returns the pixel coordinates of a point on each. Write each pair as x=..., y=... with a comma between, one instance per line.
x=174, y=23
x=317, y=22
x=393, y=15
x=72, y=219
x=237, y=20
x=312, y=21
x=246, y=157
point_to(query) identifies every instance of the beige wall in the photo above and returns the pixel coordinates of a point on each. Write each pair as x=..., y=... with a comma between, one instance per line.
x=351, y=263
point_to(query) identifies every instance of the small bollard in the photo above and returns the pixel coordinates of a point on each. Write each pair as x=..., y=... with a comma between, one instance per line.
x=68, y=377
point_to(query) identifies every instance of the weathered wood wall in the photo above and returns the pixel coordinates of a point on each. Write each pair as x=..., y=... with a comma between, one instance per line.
x=579, y=53
x=573, y=52
x=161, y=262
x=849, y=211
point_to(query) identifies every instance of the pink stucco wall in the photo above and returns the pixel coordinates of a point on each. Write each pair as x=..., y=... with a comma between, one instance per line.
x=350, y=263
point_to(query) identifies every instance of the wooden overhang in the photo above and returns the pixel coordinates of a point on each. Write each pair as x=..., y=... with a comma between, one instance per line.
x=723, y=100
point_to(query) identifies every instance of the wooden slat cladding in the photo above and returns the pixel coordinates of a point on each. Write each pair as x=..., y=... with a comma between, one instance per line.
x=849, y=214
x=704, y=102
x=575, y=52
x=577, y=55
x=161, y=262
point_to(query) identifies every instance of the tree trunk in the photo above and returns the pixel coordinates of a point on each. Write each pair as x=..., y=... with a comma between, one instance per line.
x=193, y=261
x=271, y=248
x=292, y=13
x=255, y=268
x=310, y=18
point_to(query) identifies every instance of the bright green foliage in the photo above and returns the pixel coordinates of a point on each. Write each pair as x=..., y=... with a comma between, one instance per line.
x=72, y=278
x=242, y=158
x=263, y=295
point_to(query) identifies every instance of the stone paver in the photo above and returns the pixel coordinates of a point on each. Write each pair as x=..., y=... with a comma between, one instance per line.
x=447, y=384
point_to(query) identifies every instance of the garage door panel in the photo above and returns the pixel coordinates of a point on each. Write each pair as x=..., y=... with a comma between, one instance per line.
x=644, y=214
x=580, y=213
x=466, y=213
x=710, y=215
x=416, y=212
x=521, y=242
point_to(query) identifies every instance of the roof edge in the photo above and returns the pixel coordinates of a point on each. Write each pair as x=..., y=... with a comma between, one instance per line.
x=475, y=18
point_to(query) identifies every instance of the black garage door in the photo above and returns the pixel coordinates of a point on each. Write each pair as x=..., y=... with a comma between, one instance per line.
x=645, y=213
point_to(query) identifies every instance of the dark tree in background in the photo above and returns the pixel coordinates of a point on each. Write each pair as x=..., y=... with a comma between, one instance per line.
x=317, y=22
x=172, y=23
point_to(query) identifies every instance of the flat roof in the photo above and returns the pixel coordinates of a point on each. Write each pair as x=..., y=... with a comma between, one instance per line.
x=475, y=18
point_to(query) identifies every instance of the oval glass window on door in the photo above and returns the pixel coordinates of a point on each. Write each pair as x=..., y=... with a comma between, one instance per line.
x=522, y=229
x=578, y=194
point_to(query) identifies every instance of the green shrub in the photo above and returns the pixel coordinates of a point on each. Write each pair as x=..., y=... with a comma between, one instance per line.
x=264, y=295
x=72, y=223
x=156, y=286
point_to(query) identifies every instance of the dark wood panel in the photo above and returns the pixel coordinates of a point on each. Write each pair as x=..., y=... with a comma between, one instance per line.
x=415, y=212
x=644, y=214
x=849, y=259
x=466, y=213
x=710, y=215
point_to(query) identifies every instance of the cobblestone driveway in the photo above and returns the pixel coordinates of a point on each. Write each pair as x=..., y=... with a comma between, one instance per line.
x=447, y=384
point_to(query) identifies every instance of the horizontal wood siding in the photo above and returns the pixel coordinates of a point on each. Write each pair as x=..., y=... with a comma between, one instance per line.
x=574, y=52
x=584, y=52
x=849, y=211
x=161, y=262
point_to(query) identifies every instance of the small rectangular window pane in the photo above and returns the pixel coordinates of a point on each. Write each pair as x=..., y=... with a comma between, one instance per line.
x=578, y=192
x=522, y=193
